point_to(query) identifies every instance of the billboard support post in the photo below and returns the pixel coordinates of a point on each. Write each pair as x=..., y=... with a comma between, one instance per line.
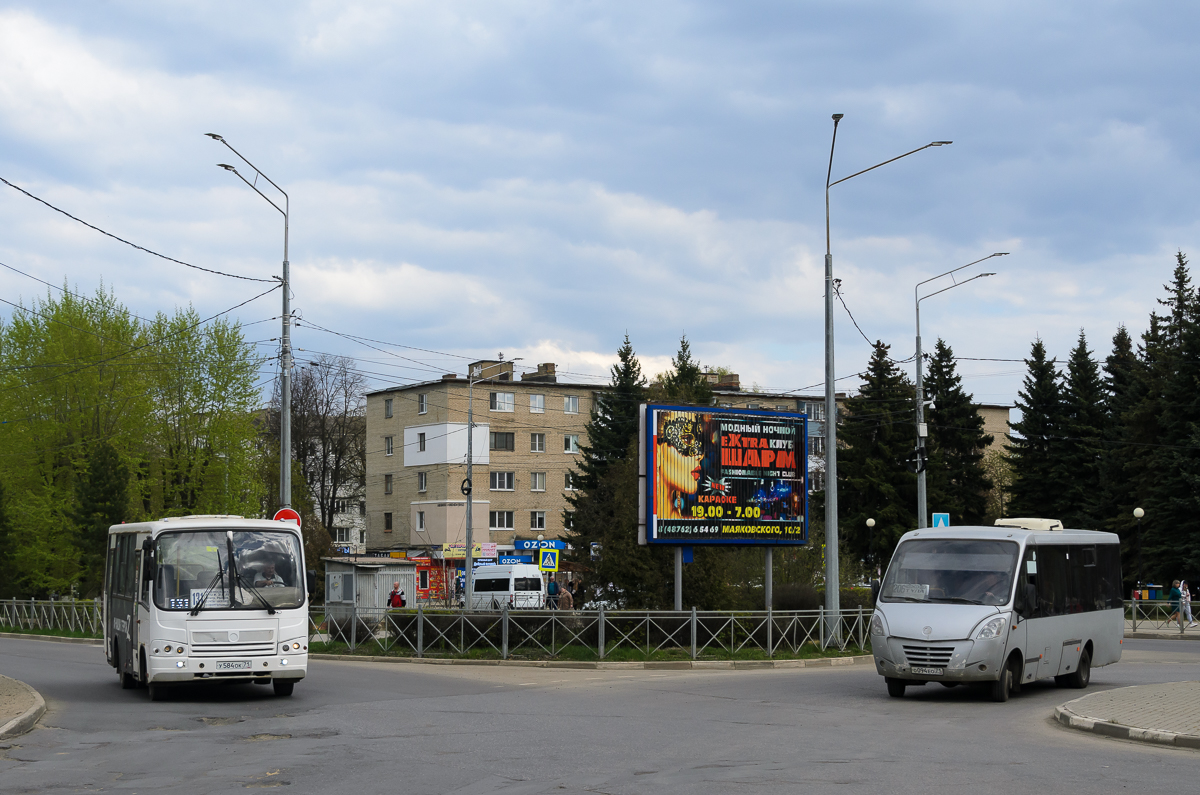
x=678, y=578
x=767, y=577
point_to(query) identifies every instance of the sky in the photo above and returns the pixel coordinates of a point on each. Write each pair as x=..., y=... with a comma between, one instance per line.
x=539, y=179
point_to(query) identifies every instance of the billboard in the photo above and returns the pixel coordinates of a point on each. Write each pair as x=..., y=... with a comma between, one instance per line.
x=723, y=476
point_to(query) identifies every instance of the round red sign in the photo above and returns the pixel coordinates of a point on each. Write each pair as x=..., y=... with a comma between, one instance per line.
x=287, y=515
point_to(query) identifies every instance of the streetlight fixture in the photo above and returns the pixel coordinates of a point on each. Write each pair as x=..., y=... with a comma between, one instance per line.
x=922, y=430
x=833, y=600
x=285, y=355
x=473, y=377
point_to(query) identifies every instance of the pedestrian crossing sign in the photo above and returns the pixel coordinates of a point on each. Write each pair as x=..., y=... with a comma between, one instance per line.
x=941, y=520
x=548, y=559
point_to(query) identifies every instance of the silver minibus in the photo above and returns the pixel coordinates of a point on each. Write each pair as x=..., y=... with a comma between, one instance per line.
x=1004, y=605
x=204, y=599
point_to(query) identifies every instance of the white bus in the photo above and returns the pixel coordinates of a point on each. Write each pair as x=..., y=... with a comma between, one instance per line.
x=202, y=599
x=1002, y=605
x=519, y=585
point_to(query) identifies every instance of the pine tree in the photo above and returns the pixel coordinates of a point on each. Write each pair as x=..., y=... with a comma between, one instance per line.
x=102, y=500
x=614, y=421
x=1079, y=451
x=955, y=480
x=1115, y=496
x=685, y=382
x=1033, y=451
x=874, y=483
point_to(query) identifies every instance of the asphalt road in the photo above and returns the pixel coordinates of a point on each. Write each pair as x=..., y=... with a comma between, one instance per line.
x=385, y=728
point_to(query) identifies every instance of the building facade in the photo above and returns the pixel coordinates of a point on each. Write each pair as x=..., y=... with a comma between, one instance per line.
x=528, y=431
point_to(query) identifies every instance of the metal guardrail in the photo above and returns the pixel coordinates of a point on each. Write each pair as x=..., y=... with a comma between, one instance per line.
x=587, y=634
x=1152, y=614
x=73, y=616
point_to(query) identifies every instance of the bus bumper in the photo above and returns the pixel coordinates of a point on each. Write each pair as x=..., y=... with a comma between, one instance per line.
x=957, y=661
x=192, y=669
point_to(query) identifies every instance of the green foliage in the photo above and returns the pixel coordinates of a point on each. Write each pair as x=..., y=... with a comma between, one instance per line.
x=1080, y=449
x=614, y=421
x=1033, y=451
x=102, y=500
x=955, y=480
x=685, y=381
x=8, y=584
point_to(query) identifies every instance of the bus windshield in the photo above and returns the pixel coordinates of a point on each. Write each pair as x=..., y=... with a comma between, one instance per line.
x=951, y=570
x=195, y=571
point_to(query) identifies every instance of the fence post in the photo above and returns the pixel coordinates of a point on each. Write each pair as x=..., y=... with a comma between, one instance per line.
x=600, y=627
x=821, y=621
x=862, y=642
x=1134, y=605
x=353, y=625
x=693, y=632
x=504, y=632
x=770, y=630
x=420, y=630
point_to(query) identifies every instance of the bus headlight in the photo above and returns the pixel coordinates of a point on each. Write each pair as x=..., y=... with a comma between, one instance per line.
x=992, y=629
x=877, y=627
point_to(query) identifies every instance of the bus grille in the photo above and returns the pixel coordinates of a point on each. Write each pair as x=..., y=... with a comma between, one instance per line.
x=929, y=655
x=232, y=649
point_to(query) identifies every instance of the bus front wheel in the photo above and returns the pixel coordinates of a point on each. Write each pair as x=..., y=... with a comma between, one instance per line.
x=895, y=687
x=157, y=692
x=283, y=687
x=1003, y=687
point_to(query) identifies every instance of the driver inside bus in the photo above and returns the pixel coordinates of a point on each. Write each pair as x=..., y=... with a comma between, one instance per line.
x=991, y=588
x=267, y=578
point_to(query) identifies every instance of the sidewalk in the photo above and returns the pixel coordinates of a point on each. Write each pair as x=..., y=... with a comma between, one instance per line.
x=1147, y=629
x=1167, y=714
x=20, y=707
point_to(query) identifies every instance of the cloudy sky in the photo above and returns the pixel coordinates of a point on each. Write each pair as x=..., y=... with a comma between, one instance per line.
x=539, y=178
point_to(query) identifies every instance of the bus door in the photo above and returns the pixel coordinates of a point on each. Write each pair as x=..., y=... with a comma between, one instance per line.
x=121, y=617
x=1045, y=583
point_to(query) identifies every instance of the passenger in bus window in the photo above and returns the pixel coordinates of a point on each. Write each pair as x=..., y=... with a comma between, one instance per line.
x=991, y=588
x=267, y=578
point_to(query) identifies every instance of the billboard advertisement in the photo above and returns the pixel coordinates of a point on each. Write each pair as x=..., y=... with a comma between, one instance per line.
x=723, y=476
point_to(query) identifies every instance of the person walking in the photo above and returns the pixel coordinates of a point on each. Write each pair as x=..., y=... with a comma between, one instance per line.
x=552, y=593
x=1175, y=596
x=1185, y=602
x=565, y=600
x=396, y=597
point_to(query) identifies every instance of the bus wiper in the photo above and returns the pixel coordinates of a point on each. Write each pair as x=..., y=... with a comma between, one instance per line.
x=959, y=600
x=255, y=592
x=909, y=599
x=219, y=576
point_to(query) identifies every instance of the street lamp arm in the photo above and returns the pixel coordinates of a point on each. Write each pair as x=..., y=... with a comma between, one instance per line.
x=254, y=188
x=956, y=270
x=216, y=137
x=885, y=162
x=951, y=287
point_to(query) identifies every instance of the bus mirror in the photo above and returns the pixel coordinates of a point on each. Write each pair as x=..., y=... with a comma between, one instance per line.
x=148, y=568
x=874, y=592
x=310, y=580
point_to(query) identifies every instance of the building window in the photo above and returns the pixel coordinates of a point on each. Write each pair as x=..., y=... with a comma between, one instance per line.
x=387, y=445
x=754, y=405
x=422, y=481
x=537, y=404
x=341, y=535
x=569, y=481
x=571, y=404
x=387, y=408
x=502, y=401
x=420, y=521
x=500, y=520
x=387, y=484
x=569, y=520
x=499, y=440
x=537, y=442
x=537, y=520
x=362, y=508
x=816, y=445
x=815, y=411
x=571, y=443
x=726, y=405
x=421, y=442
x=387, y=523
x=423, y=579
x=537, y=481
x=781, y=408
x=423, y=403
x=503, y=481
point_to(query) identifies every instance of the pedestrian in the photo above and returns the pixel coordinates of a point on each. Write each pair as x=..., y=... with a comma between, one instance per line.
x=1185, y=602
x=1175, y=596
x=566, y=601
x=578, y=593
x=396, y=597
x=552, y=593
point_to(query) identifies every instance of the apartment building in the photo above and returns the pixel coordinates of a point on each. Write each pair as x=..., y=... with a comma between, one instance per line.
x=528, y=430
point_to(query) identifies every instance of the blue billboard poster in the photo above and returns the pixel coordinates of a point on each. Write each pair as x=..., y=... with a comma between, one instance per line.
x=725, y=476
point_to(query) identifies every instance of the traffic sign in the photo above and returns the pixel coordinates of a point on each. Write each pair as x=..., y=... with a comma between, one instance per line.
x=548, y=560
x=287, y=515
x=941, y=520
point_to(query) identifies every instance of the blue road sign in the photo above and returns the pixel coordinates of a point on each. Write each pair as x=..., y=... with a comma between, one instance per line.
x=548, y=560
x=540, y=544
x=941, y=520
x=515, y=559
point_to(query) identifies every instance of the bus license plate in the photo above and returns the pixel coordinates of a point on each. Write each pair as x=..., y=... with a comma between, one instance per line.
x=916, y=669
x=233, y=665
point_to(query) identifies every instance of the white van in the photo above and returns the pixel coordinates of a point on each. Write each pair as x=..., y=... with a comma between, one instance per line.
x=519, y=585
x=1002, y=606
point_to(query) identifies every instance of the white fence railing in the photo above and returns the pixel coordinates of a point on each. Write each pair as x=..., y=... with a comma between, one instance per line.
x=73, y=616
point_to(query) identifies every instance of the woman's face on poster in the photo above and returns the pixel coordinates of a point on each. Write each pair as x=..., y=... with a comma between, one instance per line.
x=680, y=453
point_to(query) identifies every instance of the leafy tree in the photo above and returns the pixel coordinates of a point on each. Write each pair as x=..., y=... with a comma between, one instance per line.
x=1033, y=449
x=102, y=500
x=956, y=481
x=1080, y=450
x=874, y=483
x=8, y=579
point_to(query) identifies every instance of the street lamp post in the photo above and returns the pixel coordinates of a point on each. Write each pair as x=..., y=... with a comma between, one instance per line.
x=833, y=600
x=1138, y=513
x=285, y=356
x=468, y=486
x=922, y=509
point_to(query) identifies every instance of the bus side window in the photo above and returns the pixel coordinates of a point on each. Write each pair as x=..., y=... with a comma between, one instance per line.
x=1027, y=602
x=1052, y=580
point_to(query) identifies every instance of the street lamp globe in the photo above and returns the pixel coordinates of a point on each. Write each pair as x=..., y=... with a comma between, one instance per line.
x=870, y=523
x=1138, y=513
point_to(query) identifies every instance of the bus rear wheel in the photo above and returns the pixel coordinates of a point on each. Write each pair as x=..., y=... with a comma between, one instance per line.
x=1083, y=672
x=895, y=687
x=283, y=687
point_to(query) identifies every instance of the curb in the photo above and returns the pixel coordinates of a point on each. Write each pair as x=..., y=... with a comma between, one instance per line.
x=54, y=638
x=672, y=665
x=1064, y=715
x=24, y=722
x=1160, y=636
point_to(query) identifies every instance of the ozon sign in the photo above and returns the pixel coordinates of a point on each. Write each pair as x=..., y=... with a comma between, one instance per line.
x=287, y=515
